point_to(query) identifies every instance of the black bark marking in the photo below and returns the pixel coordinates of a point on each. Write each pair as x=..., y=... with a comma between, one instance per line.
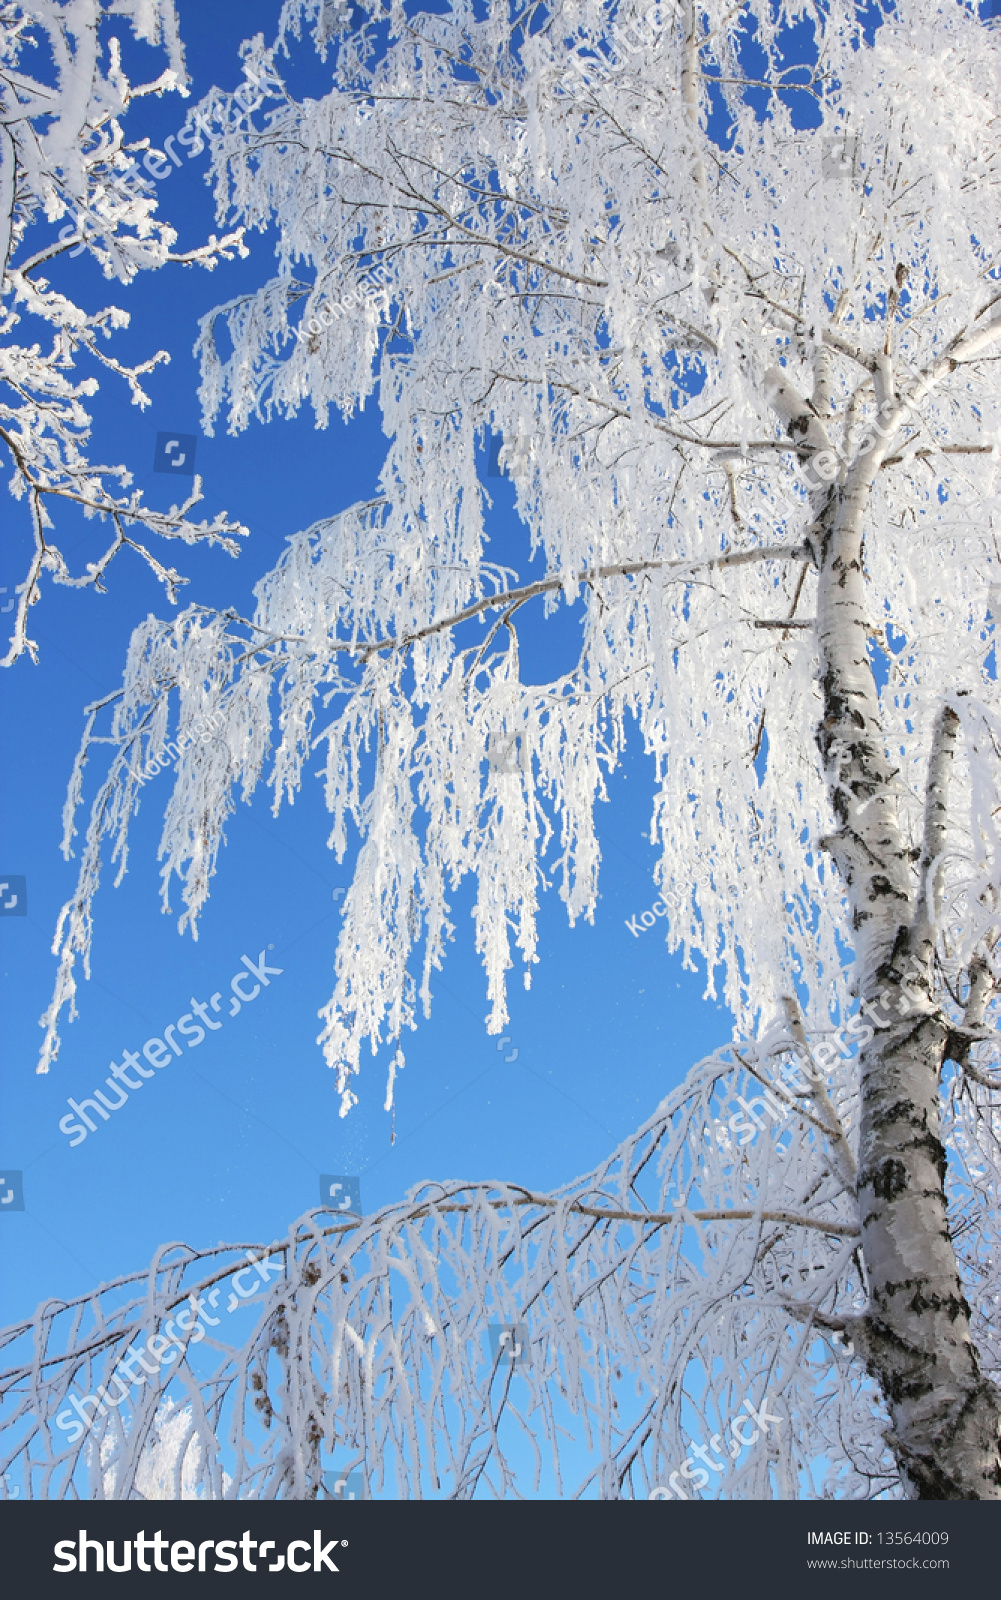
x=880, y=888
x=889, y=1179
x=923, y=1299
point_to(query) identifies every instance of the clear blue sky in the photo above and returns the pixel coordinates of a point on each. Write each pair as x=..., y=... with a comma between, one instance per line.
x=228, y=1142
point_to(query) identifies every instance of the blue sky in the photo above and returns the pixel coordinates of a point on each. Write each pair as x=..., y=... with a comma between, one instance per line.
x=227, y=1143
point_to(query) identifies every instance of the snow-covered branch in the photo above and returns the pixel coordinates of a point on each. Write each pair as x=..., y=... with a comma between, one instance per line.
x=358, y=1337
x=62, y=155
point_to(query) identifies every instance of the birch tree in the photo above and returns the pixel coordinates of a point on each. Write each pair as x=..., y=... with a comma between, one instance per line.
x=63, y=156
x=736, y=322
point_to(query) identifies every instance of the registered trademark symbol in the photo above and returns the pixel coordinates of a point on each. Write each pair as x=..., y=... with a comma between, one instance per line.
x=344, y=1542
x=270, y=946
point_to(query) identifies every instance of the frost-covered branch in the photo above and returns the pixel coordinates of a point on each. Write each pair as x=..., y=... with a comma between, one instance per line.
x=680, y=1256
x=62, y=155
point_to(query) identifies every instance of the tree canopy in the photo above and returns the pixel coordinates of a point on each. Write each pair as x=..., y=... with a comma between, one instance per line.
x=723, y=281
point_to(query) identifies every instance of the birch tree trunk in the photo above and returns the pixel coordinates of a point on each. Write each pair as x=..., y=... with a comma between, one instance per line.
x=915, y=1334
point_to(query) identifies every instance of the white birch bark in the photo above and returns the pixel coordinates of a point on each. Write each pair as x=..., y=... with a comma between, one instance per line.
x=915, y=1334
